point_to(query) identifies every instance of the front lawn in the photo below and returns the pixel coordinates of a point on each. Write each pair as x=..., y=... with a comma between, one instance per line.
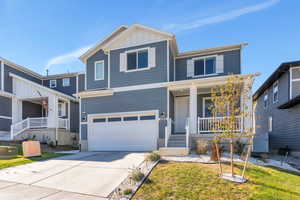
x=20, y=160
x=192, y=181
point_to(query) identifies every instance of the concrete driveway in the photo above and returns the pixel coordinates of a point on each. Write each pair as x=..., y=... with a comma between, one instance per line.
x=86, y=175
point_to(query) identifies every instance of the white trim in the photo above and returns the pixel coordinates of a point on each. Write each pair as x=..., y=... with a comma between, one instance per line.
x=80, y=123
x=203, y=105
x=168, y=61
x=5, y=117
x=276, y=82
x=266, y=98
x=69, y=82
x=77, y=84
x=2, y=75
x=139, y=87
x=291, y=85
x=174, y=69
x=168, y=103
x=6, y=94
x=103, y=70
x=54, y=81
x=69, y=114
x=270, y=124
x=43, y=87
x=108, y=71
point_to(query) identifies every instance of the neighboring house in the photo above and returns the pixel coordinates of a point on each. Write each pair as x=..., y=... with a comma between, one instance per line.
x=32, y=104
x=277, y=110
x=141, y=92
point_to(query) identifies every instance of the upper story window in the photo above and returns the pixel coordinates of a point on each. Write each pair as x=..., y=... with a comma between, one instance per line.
x=205, y=66
x=294, y=82
x=275, y=92
x=266, y=100
x=99, y=70
x=66, y=82
x=137, y=60
x=52, y=83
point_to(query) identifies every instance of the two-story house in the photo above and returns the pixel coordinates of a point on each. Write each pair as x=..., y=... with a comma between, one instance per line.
x=143, y=94
x=277, y=110
x=32, y=105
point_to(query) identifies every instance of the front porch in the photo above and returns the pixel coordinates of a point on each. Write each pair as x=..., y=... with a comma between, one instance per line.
x=190, y=117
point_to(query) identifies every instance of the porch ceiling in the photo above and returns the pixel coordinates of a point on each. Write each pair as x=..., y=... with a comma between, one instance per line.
x=186, y=91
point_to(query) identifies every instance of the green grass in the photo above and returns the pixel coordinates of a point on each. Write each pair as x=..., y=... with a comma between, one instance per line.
x=194, y=181
x=20, y=160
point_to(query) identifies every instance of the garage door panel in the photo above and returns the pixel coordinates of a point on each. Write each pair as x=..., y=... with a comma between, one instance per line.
x=138, y=135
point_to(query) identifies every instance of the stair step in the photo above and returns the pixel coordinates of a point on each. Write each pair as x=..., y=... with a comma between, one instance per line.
x=176, y=145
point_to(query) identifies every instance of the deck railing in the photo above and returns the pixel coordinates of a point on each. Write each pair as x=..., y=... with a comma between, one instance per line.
x=210, y=124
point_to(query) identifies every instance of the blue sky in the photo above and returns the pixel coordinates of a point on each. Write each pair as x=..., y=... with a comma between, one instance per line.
x=53, y=33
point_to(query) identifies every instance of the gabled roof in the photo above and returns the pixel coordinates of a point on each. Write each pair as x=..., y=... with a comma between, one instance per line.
x=121, y=33
x=99, y=45
x=283, y=67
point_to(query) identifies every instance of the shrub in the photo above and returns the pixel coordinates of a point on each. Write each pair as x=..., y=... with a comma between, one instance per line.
x=153, y=157
x=137, y=175
x=127, y=191
x=201, y=147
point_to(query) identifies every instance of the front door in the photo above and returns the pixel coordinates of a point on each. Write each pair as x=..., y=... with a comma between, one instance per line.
x=181, y=113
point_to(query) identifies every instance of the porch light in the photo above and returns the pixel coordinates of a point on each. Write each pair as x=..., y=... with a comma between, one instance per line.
x=162, y=116
x=83, y=117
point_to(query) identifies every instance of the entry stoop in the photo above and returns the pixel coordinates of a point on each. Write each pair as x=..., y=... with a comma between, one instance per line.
x=174, y=151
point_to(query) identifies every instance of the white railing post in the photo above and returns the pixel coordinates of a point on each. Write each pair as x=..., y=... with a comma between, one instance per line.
x=11, y=132
x=187, y=132
x=166, y=136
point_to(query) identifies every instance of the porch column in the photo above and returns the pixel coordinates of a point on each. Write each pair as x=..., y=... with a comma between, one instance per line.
x=247, y=106
x=17, y=112
x=193, y=109
x=52, y=111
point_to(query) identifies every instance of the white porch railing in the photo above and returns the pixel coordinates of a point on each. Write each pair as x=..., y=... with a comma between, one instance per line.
x=209, y=124
x=63, y=123
x=168, y=131
x=40, y=122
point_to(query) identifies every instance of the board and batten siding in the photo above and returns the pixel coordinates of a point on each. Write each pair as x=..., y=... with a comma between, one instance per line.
x=129, y=101
x=286, y=126
x=155, y=74
x=231, y=64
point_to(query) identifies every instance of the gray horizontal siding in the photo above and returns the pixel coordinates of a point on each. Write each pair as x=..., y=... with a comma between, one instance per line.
x=84, y=132
x=81, y=82
x=90, y=71
x=8, y=80
x=74, y=118
x=232, y=64
x=0, y=74
x=70, y=90
x=129, y=101
x=5, y=106
x=153, y=75
x=295, y=88
x=171, y=66
x=286, y=126
x=5, y=124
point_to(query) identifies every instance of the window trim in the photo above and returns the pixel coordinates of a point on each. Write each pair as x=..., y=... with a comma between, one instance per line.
x=276, y=82
x=63, y=109
x=266, y=95
x=270, y=124
x=204, y=58
x=95, y=75
x=136, y=51
x=53, y=80
x=69, y=82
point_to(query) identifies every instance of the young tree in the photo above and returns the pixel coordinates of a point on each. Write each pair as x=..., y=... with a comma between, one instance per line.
x=229, y=109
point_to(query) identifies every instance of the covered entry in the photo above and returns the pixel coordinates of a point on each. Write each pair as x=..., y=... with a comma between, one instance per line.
x=134, y=131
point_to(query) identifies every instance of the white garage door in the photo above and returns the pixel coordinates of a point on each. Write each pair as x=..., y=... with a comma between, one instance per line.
x=123, y=132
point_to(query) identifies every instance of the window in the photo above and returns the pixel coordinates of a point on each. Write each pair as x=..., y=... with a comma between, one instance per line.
x=114, y=119
x=270, y=124
x=97, y=120
x=66, y=82
x=147, y=117
x=52, y=83
x=133, y=118
x=99, y=70
x=275, y=92
x=207, y=104
x=266, y=101
x=61, y=109
x=205, y=66
x=137, y=60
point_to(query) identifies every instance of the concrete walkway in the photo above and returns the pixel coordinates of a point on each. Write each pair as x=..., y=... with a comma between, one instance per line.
x=90, y=175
